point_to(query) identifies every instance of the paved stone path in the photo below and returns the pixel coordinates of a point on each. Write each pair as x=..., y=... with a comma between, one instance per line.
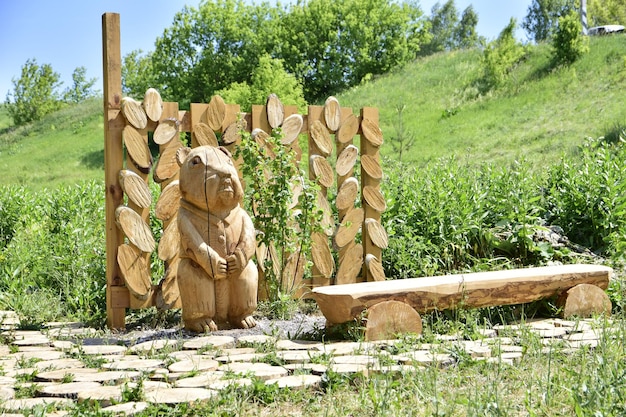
x=66, y=362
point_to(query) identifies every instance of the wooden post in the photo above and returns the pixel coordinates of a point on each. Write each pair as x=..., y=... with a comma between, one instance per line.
x=113, y=163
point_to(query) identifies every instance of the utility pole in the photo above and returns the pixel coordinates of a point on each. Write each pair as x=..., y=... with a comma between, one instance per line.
x=583, y=15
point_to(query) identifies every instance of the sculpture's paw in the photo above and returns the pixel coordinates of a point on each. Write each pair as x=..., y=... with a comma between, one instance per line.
x=202, y=325
x=247, y=323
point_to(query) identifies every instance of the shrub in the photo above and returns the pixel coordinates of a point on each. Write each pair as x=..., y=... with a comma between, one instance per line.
x=568, y=41
x=500, y=57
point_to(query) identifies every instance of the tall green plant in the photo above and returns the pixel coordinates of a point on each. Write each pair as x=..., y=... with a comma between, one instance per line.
x=284, y=227
x=501, y=56
x=568, y=42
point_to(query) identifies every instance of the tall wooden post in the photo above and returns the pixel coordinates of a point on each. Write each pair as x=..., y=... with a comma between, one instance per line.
x=113, y=163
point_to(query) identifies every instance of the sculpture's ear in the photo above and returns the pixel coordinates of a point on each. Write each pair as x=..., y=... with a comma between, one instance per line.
x=226, y=151
x=181, y=155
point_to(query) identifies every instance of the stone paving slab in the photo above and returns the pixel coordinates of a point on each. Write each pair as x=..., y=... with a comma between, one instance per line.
x=69, y=362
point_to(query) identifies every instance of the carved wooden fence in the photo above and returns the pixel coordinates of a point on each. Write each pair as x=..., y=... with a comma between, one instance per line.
x=350, y=192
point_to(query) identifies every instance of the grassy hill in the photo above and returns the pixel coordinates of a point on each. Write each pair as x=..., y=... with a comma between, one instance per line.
x=538, y=115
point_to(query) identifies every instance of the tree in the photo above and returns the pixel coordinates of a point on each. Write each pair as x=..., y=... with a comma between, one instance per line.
x=138, y=74
x=34, y=93
x=542, y=17
x=568, y=41
x=81, y=89
x=443, y=27
x=606, y=12
x=465, y=35
x=269, y=77
x=500, y=57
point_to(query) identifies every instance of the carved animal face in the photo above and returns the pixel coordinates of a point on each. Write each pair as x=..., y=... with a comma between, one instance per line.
x=208, y=179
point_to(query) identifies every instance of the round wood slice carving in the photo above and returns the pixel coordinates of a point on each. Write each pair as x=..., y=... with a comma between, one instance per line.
x=137, y=147
x=349, y=227
x=346, y=160
x=348, y=129
x=165, y=131
x=135, y=228
x=322, y=170
x=322, y=257
x=291, y=128
x=168, y=288
x=321, y=137
x=388, y=319
x=350, y=265
x=153, y=104
x=327, y=223
x=136, y=188
x=293, y=271
x=134, y=270
x=169, y=201
x=332, y=113
x=167, y=165
x=205, y=135
x=261, y=138
x=583, y=301
x=232, y=134
x=275, y=111
x=376, y=233
x=347, y=194
x=169, y=244
x=372, y=132
x=374, y=198
x=371, y=166
x=374, y=267
x=134, y=113
x=215, y=113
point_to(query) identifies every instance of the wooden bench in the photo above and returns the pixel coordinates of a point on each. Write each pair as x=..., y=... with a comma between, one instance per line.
x=394, y=306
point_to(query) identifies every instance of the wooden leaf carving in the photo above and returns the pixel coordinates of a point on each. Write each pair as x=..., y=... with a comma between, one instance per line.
x=137, y=147
x=374, y=198
x=376, y=233
x=205, y=135
x=167, y=166
x=169, y=201
x=346, y=160
x=134, y=270
x=322, y=170
x=135, y=228
x=169, y=244
x=349, y=227
x=275, y=111
x=347, y=194
x=165, y=131
x=350, y=265
x=134, y=113
x=371, y=166
x=332, y=113
x=372, y=132
x=321, y=137
x=232, y=133
x=322, y=257
x=215, y=113
x=348, y=129
x=135, y=188
x=153, y=104
x=291, y=128
x=374, y=267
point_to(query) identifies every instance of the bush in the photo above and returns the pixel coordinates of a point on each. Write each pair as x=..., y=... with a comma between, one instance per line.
x=568, y=42
x=500, y=57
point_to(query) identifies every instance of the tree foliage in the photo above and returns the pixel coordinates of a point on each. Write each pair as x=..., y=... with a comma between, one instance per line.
x=542, y=17
x=606, y=12
x=137, y=73
x=501, y=56
x=81, y=89
x=443, y=25
x=34, y=93
x=269, y=77
x=465, y=35
x=568, y=41
x=328, y=45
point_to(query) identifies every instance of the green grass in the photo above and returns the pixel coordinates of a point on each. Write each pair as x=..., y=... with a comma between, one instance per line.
x=538, y=114
x=62, y=149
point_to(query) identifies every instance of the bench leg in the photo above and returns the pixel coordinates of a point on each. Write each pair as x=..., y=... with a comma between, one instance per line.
x=387, y=319
x=584, y=300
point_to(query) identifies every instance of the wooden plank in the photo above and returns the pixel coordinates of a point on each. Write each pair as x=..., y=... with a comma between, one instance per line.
x=343, y=303
x=113, y=162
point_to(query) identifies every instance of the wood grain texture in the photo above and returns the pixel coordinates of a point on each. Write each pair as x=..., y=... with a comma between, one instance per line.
x=165, y=131
x=349, y=227
x=135, y=271
x=388, y=319
x=322, y=257
x=133, y=112
x=135, y=188
x=371, y=166
x=321, y=137
x=204, y=135
x=332, y=113
x=340, y=304
x=323, y=171
x=168, y=202
x=215, y=113
x=135, y=228
x=275, y=111
x=346, y=160
x=347, y=194
x=350, y=265
x=169, y=244
x=375, y=270
x=137, y=147
x=376, y=233
x=372, y=132
x=374, y=198
x=153, y=104
x=291, y=128
x=348, y=129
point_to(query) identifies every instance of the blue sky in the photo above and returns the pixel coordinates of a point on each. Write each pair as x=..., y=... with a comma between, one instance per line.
x=68, y=33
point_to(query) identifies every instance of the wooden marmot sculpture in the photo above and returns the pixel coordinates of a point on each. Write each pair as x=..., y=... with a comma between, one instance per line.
x=216, y=276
